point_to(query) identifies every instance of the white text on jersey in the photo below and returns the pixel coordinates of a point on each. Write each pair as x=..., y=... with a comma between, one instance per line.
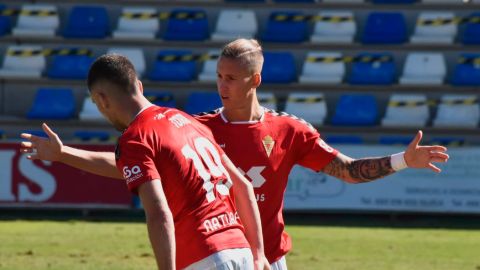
x=221, y=221
x=179, y=120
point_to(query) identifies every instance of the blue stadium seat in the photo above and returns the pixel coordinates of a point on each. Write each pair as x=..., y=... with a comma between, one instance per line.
x=2, y=135
x=279, y=67
x=373, y=68
x=356, y=110
x=467, y=71
x=202, y=102
x=173, y=65
x=282, y=27
x=471, y=35
x=187, y=24
x=344, y=139
x=447, y=141
x=87, y=22
x=36, y=132
x=92, y=135
x=5, y=22
x=163, y=99
x=52, y=103
x=395, y=140
x=70, y=67
x=385, y=28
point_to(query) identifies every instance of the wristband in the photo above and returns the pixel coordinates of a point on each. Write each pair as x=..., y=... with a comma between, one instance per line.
x=398, y=161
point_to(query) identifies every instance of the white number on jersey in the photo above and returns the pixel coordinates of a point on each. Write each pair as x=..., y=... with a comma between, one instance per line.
x=203, y=153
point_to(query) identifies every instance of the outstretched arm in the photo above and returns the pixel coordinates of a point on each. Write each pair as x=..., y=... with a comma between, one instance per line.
x=369, y=169
x=52, y=149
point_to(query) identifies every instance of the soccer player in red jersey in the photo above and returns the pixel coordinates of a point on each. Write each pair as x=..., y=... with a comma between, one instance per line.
x=181, y=175
x=265, y=145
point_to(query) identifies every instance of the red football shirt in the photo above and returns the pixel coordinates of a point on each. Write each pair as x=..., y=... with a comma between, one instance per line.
x=167, y=144
x=265, y=151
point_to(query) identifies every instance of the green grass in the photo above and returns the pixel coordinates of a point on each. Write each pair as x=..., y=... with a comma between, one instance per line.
x=121, y=245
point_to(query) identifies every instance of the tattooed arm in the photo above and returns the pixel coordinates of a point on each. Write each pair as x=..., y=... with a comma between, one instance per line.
x=369, y=169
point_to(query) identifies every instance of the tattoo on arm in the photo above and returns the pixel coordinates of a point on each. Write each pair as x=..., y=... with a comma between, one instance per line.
x=360, y=170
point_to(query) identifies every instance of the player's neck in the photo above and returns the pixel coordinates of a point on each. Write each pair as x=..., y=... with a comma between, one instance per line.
x=248, y=113
x=137, y=106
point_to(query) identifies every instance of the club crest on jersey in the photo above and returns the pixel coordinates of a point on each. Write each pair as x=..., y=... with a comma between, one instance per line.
x=268, y=144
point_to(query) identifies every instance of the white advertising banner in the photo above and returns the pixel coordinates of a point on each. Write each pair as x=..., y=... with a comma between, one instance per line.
x=456, y=189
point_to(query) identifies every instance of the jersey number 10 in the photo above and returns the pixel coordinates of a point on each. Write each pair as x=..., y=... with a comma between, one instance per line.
x=203, y=154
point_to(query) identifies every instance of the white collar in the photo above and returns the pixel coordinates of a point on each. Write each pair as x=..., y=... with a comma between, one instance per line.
x=243, y=122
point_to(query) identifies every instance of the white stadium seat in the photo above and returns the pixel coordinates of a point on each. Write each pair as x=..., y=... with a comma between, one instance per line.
x=309, y=106
x=233, y=24
x=435, y=32
x=424, y=69
x=209, y=71
x=322, y=72
x=135, y=56
x=406, y=110
x=332, y=31
x=267, y=100
x=37, y=20
x=90, y=111
x=458, y=111
x=137, y=28
x=27, y=65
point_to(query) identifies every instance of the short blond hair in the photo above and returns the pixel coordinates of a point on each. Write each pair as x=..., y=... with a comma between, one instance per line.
x=247, y=51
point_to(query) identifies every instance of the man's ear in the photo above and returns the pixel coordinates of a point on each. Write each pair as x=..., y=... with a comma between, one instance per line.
x=257, y=80
x=102, y=101
x=140, y=86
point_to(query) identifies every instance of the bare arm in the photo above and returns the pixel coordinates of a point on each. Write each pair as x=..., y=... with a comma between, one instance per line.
x=249, y=214
x=160, y=225
x=52, y=149
x=369, y=169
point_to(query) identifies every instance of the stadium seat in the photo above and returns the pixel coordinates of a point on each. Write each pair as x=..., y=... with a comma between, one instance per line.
x=458, y=111
x=87, y=22
x=295, y=1
x=471, y=34
x=344, y=139
x=278, y=67
x=92, y=136
x=5, y=22
x=385, y=28
x=174, y=65
x=435, y=27
x=209, y=70
x=37, y=20
x=248, y=1
x=448, y=141
x=73, y=66
x=267, y=100
x=373, y=69
x=393, y=1
x=135, y=55
x=202, y=102
x=395, y=140
x=467, y=71
x=53, y=104
x=137, y=23
x=407, y=110
x=163, y=98
x=442, y=2
x=334, y=27
x=343, y=1
x=90, y=111
x=187, y=24
x=356, y=110
x=323, y=67
x=424, y=69
x=235, y=23
x=23, y=62
x=283, y=27
x=309, y=106
x=36, y=132
x=3, y=136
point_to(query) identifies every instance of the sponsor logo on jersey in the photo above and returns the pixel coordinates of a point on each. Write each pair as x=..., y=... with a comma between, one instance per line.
x=221, y=221
x=179, y=120
x=222, y=145
x=132, y=174
x=325, y=146
x=268, y=144
x=159, y=116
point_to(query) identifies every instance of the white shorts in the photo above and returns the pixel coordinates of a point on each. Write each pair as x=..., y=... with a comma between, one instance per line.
x=281, y=264
x=228, y=259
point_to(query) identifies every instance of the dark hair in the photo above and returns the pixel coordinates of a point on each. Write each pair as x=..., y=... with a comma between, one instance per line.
x=115, y=69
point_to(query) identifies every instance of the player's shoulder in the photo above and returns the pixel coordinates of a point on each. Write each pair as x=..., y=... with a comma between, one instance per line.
x=207, y=116
x=287, y=120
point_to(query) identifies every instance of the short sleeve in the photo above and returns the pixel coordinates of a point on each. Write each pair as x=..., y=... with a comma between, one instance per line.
x=135, y=160
x=313, y=152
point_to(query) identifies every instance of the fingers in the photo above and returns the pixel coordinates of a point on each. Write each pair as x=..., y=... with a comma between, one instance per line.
x=50, y=133
x=434, y=168
x=33, y=157
x=30, y=137
x=436, y=148
x=417, y=139
x=26, y=145
x=439, y=155
x=438, y=160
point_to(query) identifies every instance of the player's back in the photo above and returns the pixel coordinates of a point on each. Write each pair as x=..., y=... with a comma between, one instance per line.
x=167, y=144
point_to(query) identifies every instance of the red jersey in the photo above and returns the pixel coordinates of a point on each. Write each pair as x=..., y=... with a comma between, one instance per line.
x=167, y=144
x=265, y=151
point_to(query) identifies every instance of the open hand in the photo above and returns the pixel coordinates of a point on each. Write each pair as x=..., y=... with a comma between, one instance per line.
x=42, y=148
x=417, y=156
